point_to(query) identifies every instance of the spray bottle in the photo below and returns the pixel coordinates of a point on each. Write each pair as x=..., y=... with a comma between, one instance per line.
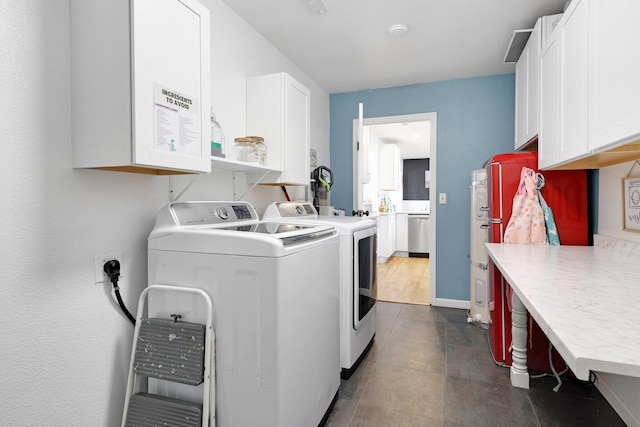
x=217, y=137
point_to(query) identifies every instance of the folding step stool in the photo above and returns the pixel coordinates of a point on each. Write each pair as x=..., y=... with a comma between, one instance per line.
x=176, y=351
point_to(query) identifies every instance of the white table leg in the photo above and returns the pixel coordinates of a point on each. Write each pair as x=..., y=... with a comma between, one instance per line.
x=519, y=373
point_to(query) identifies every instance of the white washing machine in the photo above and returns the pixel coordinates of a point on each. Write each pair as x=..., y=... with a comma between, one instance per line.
x=275, y=309
x=358, y=267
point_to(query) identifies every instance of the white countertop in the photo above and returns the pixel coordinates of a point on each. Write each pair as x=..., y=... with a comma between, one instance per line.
x=586, y=299
x=376, y=214
x=401, y=212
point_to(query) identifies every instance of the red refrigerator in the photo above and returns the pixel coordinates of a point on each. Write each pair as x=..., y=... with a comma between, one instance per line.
x=566, y=194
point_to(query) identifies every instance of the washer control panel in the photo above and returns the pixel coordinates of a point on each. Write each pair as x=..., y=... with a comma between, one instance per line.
x=291, y=210
x=203, y=213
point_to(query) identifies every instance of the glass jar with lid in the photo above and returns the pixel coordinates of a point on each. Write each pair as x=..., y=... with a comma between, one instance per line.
x=245, y=150
x=261, y=149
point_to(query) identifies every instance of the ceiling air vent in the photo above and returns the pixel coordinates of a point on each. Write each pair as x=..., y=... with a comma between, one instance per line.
x=516, y=46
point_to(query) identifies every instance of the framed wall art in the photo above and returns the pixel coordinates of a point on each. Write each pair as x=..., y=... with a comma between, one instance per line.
x=631, y=203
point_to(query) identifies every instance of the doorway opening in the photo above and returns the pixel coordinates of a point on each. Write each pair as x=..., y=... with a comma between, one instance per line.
x=381, y=144
x=404, y=280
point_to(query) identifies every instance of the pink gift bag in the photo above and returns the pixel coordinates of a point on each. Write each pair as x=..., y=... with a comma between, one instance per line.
x=526, y=224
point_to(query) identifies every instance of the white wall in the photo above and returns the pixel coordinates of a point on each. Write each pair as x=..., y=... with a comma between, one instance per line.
x=65, y=346
x=238, y=51
x=626, y=389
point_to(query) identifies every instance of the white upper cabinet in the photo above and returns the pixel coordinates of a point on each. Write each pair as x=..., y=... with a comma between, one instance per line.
x=614, y=85
x=527, y=125
x=527, y=92
x=563, y=83
x=278, y=109
x=140, y=79
x=573, y=34
x=389, y=167
x=596, y=120
x=549, y=135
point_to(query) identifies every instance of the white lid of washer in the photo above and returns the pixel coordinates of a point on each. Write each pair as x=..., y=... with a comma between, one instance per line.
x=231, y=228
x=304, y=212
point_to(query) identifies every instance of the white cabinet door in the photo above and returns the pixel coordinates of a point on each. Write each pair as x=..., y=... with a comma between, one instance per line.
x=389, y=167
x=563, y=90
x=392, y=234
x=402, y=232
x=140, y=88
x=574, y=36
x=386, y=235
x=521, y=99
x=549, y=136
x=614, y=110
x=278, y=109
x=533, y=84
x=384, y=250
x=527, y=89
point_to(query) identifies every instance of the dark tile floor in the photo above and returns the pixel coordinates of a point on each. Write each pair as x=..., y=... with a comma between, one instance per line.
x=428, y=367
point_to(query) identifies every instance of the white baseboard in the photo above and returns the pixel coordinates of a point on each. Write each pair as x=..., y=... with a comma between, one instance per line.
x=627, y=415
x=450, y=303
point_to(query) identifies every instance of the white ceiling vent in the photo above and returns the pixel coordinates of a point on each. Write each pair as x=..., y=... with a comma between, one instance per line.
x=516, y=46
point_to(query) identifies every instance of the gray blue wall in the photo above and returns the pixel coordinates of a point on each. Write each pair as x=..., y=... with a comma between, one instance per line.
x=475, y=121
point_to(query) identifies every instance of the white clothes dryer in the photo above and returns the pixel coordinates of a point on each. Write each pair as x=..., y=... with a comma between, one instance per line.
x=275, y=309
x=358, y=273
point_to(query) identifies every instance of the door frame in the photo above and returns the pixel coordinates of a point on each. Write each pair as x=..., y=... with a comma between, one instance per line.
x=357, y=178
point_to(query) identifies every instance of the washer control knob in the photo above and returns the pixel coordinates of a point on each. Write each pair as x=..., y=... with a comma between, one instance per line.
x=222, y=213
x=300, y=210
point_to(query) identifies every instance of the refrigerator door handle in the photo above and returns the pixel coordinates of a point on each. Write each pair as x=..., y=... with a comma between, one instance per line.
x=484, y=227
x=484, y=208
x=495, y=220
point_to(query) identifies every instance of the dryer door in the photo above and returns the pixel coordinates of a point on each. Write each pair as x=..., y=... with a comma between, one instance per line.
x=365, y=265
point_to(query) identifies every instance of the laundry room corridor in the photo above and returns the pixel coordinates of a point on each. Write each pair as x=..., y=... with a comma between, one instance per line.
x=404, y=280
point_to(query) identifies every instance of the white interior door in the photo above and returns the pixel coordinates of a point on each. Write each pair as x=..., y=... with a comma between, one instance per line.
x=361, y=159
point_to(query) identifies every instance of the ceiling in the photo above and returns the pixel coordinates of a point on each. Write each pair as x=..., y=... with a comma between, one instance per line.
x=412, y=138
x=348, y=47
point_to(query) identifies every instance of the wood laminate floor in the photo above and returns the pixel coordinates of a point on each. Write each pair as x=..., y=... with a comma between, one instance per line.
x=404, y=280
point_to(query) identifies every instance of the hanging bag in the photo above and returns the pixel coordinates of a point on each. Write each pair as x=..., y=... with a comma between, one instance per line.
x=526, y=224
x=552, y=231
x=550, y=223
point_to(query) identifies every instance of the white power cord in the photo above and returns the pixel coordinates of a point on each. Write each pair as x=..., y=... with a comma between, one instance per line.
x=553, y=369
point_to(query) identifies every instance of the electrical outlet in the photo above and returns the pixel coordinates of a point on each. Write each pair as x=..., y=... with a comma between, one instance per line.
x=442, y=198
x=98, y=266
